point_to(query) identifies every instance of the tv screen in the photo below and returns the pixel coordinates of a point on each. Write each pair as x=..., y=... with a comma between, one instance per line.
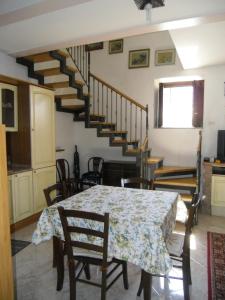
x=221, y=145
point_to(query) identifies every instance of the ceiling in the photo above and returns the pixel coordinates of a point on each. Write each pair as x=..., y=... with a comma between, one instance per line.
x=38, y=25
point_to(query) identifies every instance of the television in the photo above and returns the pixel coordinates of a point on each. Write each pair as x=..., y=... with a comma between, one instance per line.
x=221, y=145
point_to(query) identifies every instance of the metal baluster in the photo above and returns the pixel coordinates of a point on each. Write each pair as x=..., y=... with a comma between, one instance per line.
x=80, y=59
x=102, y=97
x=93, y=95
x=98, y=97
x=146, y=121
x=116, y=113
x=136, y=123
x=83, y=61
x=141, y=129
x=130, y=121
x=107, y=106
x=111, y=106
x=126, y=116
x=121, y=110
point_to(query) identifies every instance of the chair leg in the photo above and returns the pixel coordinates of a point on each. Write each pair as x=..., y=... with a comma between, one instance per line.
x=58, y=250
x=125, y=277
x=103, y=288
x=141, y=285
x=72, y=280
x=186, y=279
x=87, y=271
x=147, y=285
x=54, y=262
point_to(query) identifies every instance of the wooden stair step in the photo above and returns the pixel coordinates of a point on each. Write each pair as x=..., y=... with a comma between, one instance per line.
x=170, y=170
x=119, y=142
x=177, y=182
x=102, y=123
x=67, y=96
x=186, y=198
x=54, y=71
x=45, y=56
x=154, y=160
x=74, y=107
x=133, y=151
x=62, y=84
x=116, y=132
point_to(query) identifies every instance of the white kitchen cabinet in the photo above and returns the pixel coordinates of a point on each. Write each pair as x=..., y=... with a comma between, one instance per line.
x=42, y=127
x=8, y=106
x=22, y=195
x=42, y=178
x=218, y=195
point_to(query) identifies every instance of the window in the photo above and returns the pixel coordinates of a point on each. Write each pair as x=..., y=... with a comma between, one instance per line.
x=180, y=104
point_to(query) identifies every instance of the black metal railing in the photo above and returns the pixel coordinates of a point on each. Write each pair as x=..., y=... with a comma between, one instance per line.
x=81, y=59
x=116, y=107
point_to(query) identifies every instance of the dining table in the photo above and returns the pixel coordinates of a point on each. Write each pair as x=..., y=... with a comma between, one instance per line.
x=140, y=223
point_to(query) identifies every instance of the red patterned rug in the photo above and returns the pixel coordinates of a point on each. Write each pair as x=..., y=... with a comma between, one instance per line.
x=216, y=266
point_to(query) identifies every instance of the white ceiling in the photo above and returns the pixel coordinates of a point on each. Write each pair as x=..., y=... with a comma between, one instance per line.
x=200, y=46
x=50, y=24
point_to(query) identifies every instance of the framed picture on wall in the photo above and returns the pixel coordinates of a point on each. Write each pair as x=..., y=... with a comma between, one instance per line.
x=94, y=46
x=139, y=58
x=116, y=46
x=165, y=57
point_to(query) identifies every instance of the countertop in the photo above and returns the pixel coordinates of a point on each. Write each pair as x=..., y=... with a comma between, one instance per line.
x=18, y=169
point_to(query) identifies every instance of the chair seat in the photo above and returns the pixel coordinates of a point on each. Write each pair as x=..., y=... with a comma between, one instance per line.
x=175, y=244
x=77, y=252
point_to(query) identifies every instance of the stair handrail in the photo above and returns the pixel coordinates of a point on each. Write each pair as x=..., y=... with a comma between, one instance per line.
x=118, y=92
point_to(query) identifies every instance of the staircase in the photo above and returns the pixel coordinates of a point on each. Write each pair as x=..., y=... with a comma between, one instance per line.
x=89, y=98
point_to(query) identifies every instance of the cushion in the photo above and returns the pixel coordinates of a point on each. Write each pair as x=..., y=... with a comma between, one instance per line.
x=175, y=244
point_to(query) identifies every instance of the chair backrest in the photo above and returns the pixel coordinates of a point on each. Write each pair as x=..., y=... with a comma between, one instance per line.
x=189, y=223
x=55, y=193
x=136, y=182
x=95, y=164
x=199, y=162
x=79, y=217
x=63, y=170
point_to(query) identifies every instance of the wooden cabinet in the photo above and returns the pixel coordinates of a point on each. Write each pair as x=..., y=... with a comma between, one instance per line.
x=8, y=106
x=218, y=195
x=42, y=107
x=42, y=178
x=114, y=170
x=22, y=195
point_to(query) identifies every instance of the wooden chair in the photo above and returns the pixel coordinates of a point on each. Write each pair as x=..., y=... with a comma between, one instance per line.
x=179, y=249
x=63, y=172
x=55, y=193
x=94, y=173
x=136, y=182
x=89, y=253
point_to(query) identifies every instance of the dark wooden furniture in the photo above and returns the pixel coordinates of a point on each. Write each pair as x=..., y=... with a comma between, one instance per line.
x=114, y=170
x=136, y=182
x=55, y=193
x=179, y=249
x=94, y=173
x=89, y=253
x=63, y=172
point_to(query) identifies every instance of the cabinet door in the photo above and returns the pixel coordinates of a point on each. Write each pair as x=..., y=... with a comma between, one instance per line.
x=8, y=106
x=218, y=190
x=43, y=127
x=42, y=178
x=10, y=192
x=22, y=195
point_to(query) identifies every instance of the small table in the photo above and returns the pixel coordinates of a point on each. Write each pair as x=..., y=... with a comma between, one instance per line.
x=140, y=223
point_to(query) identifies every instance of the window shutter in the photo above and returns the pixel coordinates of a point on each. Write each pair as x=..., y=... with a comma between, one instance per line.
x=160, y=107
x=198, y=101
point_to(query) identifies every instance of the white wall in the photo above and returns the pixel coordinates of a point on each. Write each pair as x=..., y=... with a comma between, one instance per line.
x=9, y=67
x=178, y=146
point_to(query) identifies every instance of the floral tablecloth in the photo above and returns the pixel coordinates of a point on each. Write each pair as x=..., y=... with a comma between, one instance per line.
x=140, y=223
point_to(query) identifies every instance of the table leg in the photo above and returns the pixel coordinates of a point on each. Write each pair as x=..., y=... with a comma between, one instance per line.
x=59, y=255
x=147, y=285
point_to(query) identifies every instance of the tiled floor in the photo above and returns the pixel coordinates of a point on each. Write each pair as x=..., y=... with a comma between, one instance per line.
x=36, y=279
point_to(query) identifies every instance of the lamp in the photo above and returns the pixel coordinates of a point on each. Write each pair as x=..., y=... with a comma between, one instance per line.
x=141, y=4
